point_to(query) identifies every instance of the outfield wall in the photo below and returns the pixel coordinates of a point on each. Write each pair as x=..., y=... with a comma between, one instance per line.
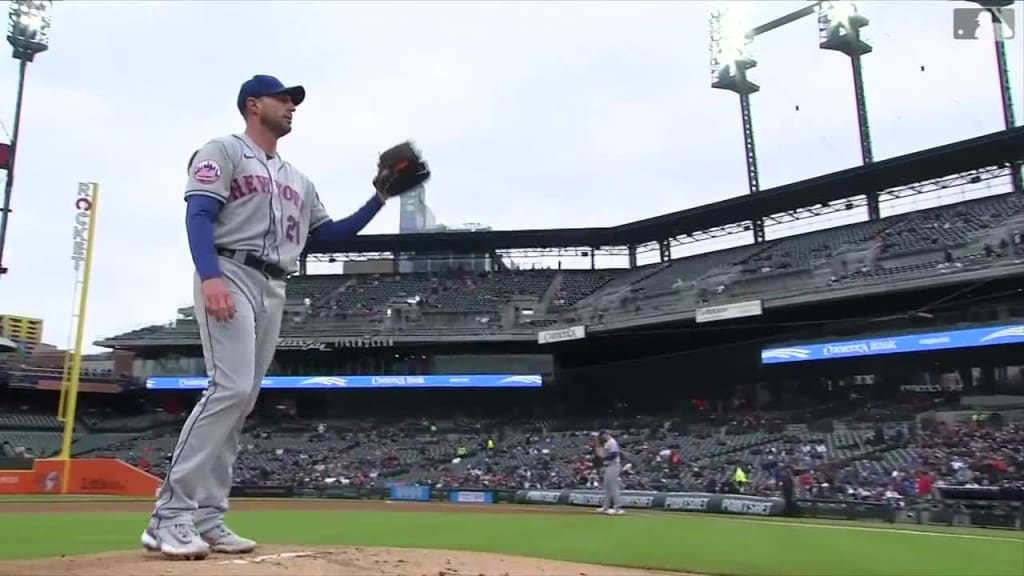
x=957, y=506
x=99, y=476
x=679, y=501
x=977, y=507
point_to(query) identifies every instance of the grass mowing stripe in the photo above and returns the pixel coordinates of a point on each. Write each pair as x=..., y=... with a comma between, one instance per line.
x=916, y=529
x=871, y=526
x=685, y=543
x=898, y=531
x=57, y=498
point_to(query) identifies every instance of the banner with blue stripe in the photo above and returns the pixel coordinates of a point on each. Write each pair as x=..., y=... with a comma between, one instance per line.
x=348, y=382
x=929, y=341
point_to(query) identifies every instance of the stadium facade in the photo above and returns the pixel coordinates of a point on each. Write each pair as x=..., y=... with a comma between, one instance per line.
x=700, y=318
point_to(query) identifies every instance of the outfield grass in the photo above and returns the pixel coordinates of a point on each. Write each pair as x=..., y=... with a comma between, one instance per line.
x=716, y=545
x=33, y=498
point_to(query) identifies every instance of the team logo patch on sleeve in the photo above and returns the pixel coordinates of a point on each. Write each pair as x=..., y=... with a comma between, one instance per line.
x=206, y=172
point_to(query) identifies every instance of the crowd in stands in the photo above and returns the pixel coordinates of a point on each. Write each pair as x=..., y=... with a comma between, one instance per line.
x=889, y=454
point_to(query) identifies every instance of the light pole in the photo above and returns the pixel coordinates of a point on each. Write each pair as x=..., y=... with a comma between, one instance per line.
x=839, y=25
x=29, y=34
x=730, y=61
x=995, y=10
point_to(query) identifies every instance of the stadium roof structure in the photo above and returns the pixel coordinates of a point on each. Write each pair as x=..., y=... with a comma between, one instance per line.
x=825, y=193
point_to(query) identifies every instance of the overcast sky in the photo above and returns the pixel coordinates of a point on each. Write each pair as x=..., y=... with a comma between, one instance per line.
x=532, y=116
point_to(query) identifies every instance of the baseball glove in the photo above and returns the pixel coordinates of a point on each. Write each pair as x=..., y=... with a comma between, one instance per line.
x=400, y=169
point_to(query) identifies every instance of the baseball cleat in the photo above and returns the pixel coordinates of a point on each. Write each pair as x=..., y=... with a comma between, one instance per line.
x=179, y=541
x=614, y=512
x=222, y=539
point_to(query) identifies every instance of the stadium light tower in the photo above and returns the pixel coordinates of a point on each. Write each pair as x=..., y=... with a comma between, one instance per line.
x=995, y=10
x=731, y=58
x=28, y=32
x=839, y=26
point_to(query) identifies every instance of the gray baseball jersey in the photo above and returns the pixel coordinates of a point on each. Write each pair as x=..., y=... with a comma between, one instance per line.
x=611, y=480
x=269, y=205
x=268, y=210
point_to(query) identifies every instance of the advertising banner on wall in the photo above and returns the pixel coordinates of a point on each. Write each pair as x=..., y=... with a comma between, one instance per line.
x=729, y=311
x=561, y=335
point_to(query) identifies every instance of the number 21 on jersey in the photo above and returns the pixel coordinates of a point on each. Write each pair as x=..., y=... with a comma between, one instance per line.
x=291, y=229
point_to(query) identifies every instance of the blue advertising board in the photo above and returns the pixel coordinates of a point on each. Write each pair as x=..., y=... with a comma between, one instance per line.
x=410, y=492
x=924, y=342
x=326, y=382
x=471, y=497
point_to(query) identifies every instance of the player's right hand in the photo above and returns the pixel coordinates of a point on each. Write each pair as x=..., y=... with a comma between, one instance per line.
x=217, y=299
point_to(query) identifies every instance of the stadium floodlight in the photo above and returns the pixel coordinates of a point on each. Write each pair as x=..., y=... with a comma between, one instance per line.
x=28, y=32
x=839, y=25
x=731, y=54
x=839, y=29
x=1002, y=30
x=731, y=58
x=29, y=28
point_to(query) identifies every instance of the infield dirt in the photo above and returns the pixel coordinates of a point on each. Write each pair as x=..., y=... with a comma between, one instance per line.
x=307, y=560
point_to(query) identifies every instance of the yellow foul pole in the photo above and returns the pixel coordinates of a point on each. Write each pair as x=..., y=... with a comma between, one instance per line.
x=81, y=255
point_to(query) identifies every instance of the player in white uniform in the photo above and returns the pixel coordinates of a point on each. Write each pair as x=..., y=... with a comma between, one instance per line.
x=250, y=214
x=612, y=461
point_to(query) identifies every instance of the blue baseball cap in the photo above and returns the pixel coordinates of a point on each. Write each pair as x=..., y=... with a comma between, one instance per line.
x=262, y=85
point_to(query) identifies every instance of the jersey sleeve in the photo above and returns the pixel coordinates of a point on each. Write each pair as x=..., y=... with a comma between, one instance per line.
x=210, y=171
x=317, y=213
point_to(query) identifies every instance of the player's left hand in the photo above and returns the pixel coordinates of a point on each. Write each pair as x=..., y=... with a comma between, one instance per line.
x=399, y=170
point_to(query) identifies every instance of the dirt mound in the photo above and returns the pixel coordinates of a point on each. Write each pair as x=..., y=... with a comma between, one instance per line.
x=304, y=560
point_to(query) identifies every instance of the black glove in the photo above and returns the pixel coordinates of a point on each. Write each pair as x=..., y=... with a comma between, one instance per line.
x=400, y=169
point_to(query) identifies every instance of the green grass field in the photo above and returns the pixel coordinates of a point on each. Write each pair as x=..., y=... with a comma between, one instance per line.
x=27, y=498
x=696, y=543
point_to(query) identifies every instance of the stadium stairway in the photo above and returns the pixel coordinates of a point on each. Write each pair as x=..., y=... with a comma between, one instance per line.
x=91, y=443
x=622, y=282
x=333, y=294
x=549, y=293
x=740, y=444
x=688, y=270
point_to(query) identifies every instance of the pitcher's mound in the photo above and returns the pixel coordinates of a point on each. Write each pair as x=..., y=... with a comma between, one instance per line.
x=303, y=560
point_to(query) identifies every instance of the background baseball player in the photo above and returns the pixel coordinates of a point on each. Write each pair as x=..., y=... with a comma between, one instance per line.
x=250, y=214
x=608, y=450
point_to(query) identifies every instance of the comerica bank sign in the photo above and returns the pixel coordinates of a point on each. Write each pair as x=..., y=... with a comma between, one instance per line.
x=929, y=341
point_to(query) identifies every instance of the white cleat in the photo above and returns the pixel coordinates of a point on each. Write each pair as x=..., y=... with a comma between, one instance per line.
x=222, y=539
x=179, y=541
x=602, y=510
x=615, y=512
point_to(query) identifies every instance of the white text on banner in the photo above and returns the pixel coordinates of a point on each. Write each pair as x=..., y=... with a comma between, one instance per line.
x=729, y=311
x=563, y=335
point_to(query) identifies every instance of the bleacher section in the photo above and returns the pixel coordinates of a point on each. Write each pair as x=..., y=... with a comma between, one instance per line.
x=456, y=292
x=870, y=451
x=682, y=273
x=29, y=421
x=941, y=240
x=554, y=454
x=313, y=287
x=578, y=284
x=36, y=444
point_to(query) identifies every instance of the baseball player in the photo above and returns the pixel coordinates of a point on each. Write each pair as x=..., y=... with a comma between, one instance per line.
x=250, y=215
x=608, y=450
